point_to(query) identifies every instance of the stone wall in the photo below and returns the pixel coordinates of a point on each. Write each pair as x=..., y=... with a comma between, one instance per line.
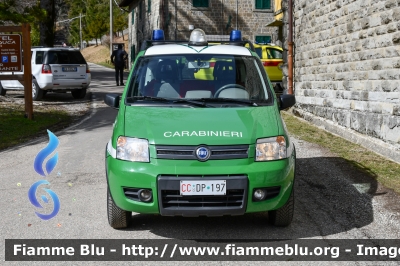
x=347, y=66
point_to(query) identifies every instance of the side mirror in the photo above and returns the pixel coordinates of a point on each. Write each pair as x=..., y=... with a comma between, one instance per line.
x=286, y=101
x=112, y=100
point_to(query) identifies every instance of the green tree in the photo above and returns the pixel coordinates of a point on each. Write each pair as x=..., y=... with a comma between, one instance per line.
x=16, y=12
x=120, y=22
x=76, y=7
x=13, y=12
x=97, y=18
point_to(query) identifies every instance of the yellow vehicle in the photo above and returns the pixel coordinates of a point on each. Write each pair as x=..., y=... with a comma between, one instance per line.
x=271, y=57
x=206, y=73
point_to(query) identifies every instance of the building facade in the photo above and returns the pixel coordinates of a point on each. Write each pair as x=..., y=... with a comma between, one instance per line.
x=216, y=17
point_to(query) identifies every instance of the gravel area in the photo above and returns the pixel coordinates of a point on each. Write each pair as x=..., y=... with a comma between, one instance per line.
x=52, y=101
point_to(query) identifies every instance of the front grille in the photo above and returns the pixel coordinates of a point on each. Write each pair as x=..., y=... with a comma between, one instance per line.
x=172, y=203
x=172, y=198
x=188, y=152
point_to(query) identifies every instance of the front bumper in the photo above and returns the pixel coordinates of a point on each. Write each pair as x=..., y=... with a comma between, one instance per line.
x=162, y=177
x=171, y=203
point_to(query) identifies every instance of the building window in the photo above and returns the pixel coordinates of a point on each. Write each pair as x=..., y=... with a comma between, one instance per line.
x=133, y=16
x=263, y=39
x=148, y=6
x=263, y=4
x=200, y=3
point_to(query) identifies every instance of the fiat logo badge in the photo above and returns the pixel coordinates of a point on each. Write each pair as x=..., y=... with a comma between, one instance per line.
x=203, y=153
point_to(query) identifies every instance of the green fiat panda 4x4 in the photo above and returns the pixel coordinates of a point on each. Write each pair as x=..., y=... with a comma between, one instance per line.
x=183, y=146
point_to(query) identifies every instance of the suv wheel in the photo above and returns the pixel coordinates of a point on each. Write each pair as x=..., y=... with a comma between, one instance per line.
x=79, y=94
x=2, y=90
x=284, y=215
x=37, y=93
x=117, y=218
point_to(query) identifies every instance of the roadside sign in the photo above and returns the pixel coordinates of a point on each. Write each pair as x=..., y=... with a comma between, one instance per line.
x=10, y=53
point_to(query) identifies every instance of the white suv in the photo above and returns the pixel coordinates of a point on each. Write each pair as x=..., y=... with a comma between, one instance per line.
x=55, y=70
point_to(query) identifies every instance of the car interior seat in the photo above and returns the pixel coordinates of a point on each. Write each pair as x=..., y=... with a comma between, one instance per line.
x=167, y=79
x=224, y=72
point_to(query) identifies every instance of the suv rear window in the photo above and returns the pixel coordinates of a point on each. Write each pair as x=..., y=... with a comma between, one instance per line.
x=39, y=57
x=64, y=57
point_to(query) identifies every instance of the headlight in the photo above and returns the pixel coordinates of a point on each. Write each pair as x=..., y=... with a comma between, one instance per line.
x=133, y=149
x=270, y=149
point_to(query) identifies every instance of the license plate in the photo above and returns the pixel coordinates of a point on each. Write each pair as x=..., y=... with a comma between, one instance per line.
x=203, y=187
x=69, y=69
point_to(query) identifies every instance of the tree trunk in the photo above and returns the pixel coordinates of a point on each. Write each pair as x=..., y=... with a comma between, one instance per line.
x=47, y=25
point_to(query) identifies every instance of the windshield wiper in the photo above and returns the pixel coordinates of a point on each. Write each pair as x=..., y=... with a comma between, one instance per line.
x=229, y=100
x=172, y=100
x=147, y=98
x=196, y=103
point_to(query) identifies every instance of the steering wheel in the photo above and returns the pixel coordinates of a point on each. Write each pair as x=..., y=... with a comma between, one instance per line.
x=228, y=86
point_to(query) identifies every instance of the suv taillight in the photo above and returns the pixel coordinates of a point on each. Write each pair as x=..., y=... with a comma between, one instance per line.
x=271, y=63
x=87, y=68
x=46, y=69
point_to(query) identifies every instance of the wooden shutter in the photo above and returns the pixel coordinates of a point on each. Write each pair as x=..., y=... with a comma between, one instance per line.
x=263, y=4
x=200, y=3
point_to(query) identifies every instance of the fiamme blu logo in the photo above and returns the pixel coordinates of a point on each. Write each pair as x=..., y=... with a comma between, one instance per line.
x=39, y=168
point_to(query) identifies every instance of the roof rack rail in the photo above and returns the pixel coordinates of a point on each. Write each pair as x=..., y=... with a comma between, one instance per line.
x=148, y=43
x=238, y=43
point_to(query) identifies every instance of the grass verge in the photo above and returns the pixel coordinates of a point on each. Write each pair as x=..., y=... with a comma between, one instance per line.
x=383, y=170
x=15, y=128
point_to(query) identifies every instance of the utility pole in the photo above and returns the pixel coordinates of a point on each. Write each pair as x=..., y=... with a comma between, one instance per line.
x=80, y=27
x=80, y=31
x=111, y=28
x=290, y=46
x=237, y=7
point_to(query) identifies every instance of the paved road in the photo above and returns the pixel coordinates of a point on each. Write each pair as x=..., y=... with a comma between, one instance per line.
x=332, y=200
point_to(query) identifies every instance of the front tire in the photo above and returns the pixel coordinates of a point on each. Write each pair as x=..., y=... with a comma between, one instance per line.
x=117, y=218
x=78, y=94
x=2, y=90
x=283, y=216
x=37, y=92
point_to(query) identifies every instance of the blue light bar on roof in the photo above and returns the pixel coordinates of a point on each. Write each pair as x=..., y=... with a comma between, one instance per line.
x=158, y=35
x=236, y=35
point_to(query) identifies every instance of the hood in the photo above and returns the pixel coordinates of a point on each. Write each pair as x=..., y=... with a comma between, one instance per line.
x=194, y=126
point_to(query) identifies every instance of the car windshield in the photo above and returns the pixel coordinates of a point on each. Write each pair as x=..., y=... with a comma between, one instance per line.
x=200, y=76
